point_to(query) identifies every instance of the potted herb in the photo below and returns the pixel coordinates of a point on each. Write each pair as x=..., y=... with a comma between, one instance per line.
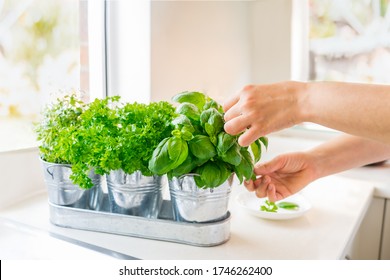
x=70, y=181
x=134, y=189
x=200, y=158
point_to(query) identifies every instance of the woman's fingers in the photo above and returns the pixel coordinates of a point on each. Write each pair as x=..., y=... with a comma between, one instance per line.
x=230, y=102
x=249, y=185
x=232, y=113
x=264, y=187
x=270, y=166
x=271, y=193
x=249, y=136
x=236, y=125
x=261, y=186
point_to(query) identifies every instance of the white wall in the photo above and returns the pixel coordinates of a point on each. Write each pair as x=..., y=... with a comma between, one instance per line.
x=271, y=21
x=218, y=46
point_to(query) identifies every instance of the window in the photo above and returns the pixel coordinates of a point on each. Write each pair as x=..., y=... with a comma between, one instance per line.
x=39, y=56
x=341, y=41
x=127, y=35
x=48, y=48
x=350, y=40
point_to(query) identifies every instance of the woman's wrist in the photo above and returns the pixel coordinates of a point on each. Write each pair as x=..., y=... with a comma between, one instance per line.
x=318, y=161
x=302, y=92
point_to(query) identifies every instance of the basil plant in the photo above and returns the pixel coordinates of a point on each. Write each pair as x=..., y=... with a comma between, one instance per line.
x=198, y=144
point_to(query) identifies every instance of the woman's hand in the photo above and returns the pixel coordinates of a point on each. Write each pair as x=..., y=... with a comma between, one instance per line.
x=289, y=173
x=261, y=109
x=357, y=109
x=283, y=176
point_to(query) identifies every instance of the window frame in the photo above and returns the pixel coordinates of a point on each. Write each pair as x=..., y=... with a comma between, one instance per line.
x=127, y=49
x=300, y=64
x=97, y=53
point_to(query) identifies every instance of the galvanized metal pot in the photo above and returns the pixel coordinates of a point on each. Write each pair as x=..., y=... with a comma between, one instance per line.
x=62, y=191
x=134, y=194
x=193, y=204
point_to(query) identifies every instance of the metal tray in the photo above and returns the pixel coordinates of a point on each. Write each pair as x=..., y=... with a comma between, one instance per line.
x=163, y=228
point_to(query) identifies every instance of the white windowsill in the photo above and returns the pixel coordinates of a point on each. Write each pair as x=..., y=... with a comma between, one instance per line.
x=16, y=134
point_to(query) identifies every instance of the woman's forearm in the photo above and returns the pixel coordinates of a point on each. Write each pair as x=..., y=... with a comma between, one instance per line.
x=358, y=109
x=346, y=152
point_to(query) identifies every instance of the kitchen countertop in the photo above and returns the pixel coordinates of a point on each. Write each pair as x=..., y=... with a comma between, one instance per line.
x=338, y=206
x=339, y=203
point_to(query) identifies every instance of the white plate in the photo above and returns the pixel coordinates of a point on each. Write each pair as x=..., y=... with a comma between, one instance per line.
x=249, y=202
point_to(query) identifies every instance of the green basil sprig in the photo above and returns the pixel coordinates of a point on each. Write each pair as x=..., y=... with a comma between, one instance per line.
x=199, y=144
x=269, y=206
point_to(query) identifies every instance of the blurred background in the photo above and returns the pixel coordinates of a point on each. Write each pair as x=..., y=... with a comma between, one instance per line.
x=150, y=50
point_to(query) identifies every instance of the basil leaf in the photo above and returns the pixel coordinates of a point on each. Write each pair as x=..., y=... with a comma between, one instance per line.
x=233, y=155
x=213, y=104
x=256, y=150
x=205, y=115
x=170, y=153
x=176, y=133
x=210, y=174
x=196, y=98
x=239, y=175
x=186, y=133
x=212, y=118
x=160, y=161
x=189, y=110
x=210, y=130
x=225, y=142
x=177, y=151
x=214, y=140
x=186, y=167
x=216, y=120
x=264, y=140
x=225, y=172
x=199, y=182
x=245, y=168
x=288, y=205
x=201, y=147
x=183, y=121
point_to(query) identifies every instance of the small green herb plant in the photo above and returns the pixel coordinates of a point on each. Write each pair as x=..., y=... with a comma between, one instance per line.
x=71, y=132
x=141, y=128
x=60, y=121
x=198, y=144
x=124, y=135
x=95, y=141
x=103, y=135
